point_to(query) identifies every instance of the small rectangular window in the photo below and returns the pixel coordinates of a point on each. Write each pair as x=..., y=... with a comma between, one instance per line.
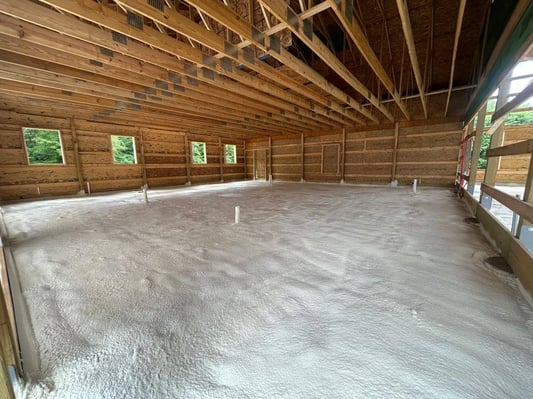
x=231, y=153
x=198, y=152
x=123, y=148
x=43, y=146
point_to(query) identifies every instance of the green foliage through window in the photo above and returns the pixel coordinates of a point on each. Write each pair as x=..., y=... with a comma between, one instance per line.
x=485, y=143
x=123, y=149
x=231, y=153
x=43, y=146
x=198, y=152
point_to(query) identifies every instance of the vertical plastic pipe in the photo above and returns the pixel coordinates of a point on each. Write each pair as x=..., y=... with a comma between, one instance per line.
x=237, y=214
x=145, y=192
x=38, y=190
x=414, y=185
x=88, y=188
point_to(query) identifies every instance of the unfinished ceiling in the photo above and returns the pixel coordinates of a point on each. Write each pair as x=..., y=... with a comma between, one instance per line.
x=243, y=68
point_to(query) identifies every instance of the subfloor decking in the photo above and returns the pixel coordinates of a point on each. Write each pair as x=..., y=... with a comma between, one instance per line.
x=322, y=291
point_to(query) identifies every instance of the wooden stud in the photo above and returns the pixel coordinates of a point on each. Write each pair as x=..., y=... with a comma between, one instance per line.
x=302, y=155
x=478, y=140
x=497, y=137
x=527, y=219
x=221, y=159
x=143, y=163
x=343, y=154
x=187, y=157
x=268, y=176
x=79, y=171
x=395, y=151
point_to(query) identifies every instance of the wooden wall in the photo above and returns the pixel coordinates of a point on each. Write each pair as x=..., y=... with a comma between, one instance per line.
x=165, y=159
x=427, y=152
x=512, y=169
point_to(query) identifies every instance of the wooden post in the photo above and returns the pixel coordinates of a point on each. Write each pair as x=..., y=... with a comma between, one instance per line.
x=187, y=158
x=472, y=176
x=395, y=150
x=302, y=154
x=528, y=197
x=253, y=164
x=143, y=164
x=269, y=176
x=221, y=160
x=6, y=389
x=8, y=333
x=245, y=167
x=495, y=141
x=343, y=154
x=77, y=155
x=7, y=342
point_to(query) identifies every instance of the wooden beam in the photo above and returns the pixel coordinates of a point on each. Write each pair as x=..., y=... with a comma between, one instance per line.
x=227, y=17
x=124, y=77
x=497, y=137
x=302, y=156
x=343, y=154
x=79, y=172
x=506, y=109
x=472, y=177
x=514, y=204
x=220, y=160
x=528, y=198
x=357, y=35
x=70, y=27
x=187, y=158
x=143, y=162
x=458, y=28
x=297, y=26
x=409, y=39
x=395, y=151
x=522, y=148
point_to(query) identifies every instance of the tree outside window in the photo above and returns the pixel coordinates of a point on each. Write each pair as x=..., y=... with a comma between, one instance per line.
x=231, y=153
x=123, y=148
x=43, y=146
x=198, y=152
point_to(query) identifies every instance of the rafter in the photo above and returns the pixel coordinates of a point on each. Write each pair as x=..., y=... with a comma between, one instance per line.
x=39, y=15
x=267, y=43
x=297, y=26
x=178, y=22
x=78, y=67
x=458, y=27
x=355, y=32
x=409, y=38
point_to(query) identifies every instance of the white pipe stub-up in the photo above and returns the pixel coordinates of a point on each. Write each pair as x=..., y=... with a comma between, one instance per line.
x=237, y=214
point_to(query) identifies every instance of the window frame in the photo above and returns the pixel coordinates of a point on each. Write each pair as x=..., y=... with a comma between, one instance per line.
x=192, y=153
x=28, y=163
x=135, y=159
x=226, y=155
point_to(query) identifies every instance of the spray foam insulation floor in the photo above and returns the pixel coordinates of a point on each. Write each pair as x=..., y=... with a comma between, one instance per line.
x=321, y=291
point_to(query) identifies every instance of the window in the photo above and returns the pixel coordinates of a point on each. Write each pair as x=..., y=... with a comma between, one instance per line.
x=43, y=146
x=198, y=152
x=123, y=149
x=231, y=153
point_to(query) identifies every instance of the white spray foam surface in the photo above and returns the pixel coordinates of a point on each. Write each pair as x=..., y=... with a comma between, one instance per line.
x=320, y=291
